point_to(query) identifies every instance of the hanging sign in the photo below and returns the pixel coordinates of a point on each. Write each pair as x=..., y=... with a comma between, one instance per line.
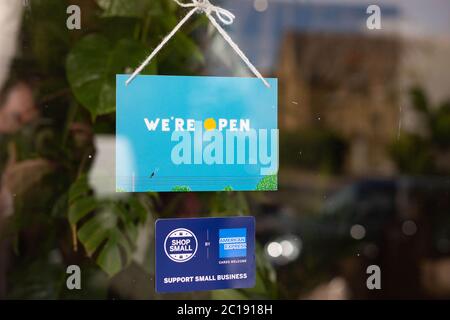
x=204, y=254
x=179, y=133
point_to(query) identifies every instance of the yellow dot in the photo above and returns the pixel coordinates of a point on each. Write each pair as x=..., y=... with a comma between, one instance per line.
x=209, y=124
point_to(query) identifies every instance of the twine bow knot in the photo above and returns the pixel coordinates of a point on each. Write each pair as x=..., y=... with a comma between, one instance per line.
x=225, y=16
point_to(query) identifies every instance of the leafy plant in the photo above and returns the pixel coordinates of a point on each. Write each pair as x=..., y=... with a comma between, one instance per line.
x=73, y=74
x=92, y=66
x=420, y=153
x=268, y=183
x=108, y=228
x=119, y=8
x=412, y=154
x=181, y=189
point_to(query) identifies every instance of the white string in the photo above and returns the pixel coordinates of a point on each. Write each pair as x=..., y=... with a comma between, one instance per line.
x=225, y=16
x=237, y=49
x=160, y=46
x=205, y=6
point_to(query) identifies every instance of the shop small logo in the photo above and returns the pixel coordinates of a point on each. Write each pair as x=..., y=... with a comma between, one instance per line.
x=232, y=243
x=180, y=245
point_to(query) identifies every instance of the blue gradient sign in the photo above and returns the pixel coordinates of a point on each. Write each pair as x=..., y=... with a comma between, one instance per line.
x=204, y=254
x=196, y=134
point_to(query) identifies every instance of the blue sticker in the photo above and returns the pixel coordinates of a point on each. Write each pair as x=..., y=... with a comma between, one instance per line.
x=205, y=254
x=177, y=133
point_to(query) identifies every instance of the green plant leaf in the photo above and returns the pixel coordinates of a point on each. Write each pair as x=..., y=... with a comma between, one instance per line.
x=228, y=203
x=81, y=208
x=93, y=233
x=132, y=231
x=268, y=183
x=109, y=258
x=124, y=8
x=137, y=209
x=127, y=218
x=78, y=189
x=440, y=127
x=110, y=228
x=419, y=100
x=49, y=41
x=181, y=189
x=92, y=66
x=125, y=245
x=412, y=154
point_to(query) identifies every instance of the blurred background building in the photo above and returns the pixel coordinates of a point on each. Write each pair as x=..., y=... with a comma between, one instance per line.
x=337, y=74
